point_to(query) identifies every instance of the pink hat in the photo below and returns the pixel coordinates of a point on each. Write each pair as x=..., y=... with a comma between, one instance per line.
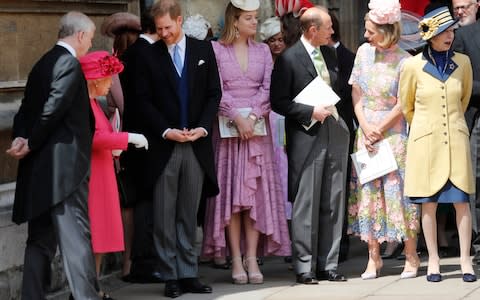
x=384, y=11
x=100, y=64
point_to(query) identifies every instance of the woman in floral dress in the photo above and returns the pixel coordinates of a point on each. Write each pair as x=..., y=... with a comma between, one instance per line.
x=378, y=210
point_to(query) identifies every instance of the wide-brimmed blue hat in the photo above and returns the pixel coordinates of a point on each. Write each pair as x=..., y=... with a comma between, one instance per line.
x=436, y=22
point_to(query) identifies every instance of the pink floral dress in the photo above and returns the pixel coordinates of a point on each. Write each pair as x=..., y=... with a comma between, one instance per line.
x=378, y=209
x=246, y=173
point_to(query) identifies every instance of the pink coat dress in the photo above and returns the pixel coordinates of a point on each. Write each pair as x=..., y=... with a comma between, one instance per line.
x=245, y=169
x=103, y=202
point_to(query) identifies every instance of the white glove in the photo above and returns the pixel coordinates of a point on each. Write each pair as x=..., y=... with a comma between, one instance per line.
x=116, y=153
x=138, y=140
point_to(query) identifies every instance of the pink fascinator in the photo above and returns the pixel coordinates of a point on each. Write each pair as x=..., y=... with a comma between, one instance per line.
x=384, y=11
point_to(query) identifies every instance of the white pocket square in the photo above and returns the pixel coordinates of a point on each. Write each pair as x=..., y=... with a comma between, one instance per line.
x=201, y=62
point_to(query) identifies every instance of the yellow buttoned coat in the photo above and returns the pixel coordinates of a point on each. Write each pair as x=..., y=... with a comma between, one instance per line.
x=438, y=146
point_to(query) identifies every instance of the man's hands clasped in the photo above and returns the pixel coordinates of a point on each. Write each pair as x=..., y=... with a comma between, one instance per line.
x=185, y=135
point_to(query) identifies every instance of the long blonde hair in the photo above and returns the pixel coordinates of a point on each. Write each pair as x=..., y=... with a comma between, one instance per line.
x=229, y=32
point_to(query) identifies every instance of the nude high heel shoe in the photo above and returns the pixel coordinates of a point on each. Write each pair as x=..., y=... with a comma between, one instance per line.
x=253, y=277
x=241, y=277
x=414, y=262
x=372, y=275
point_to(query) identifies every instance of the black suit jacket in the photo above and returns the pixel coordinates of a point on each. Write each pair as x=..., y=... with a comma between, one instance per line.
x=132, y=119
x=467, y=41
x=345, y=59
x=292, y=72
x=159, y=103
x=133, y=161
x=56, y=119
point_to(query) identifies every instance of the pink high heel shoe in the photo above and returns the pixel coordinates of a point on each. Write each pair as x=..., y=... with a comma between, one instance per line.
x=253, y=277
x=241, y=277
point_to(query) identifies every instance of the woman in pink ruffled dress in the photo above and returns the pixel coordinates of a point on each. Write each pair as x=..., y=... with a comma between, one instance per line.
x=250, y=206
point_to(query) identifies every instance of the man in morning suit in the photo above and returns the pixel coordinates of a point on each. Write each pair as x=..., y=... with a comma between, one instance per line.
x=179, y=91
x=317, y=157
x=53, y=132
x=144, y=267
x=467, y=41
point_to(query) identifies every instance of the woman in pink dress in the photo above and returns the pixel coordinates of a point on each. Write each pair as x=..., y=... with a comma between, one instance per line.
x=250, y=205
x=103, y=202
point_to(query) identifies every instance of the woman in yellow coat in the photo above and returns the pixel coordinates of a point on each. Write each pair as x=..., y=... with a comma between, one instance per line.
x=435, y=88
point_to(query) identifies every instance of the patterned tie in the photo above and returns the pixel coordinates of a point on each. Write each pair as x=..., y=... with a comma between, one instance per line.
x=322, y=70
x=177, y=61
x=320, y=66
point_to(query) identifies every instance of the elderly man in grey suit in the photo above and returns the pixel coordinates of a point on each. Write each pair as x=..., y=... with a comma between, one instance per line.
x=53, y=133
x=467, y=41
x=317, y=156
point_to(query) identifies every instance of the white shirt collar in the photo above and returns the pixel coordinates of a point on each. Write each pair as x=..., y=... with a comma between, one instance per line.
x=181, y=45
x=307, y=46
x=147, y=38
x=335, y=46
x=68, y=47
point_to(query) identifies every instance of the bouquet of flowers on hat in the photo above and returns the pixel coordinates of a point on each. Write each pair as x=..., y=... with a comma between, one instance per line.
x=297, y=7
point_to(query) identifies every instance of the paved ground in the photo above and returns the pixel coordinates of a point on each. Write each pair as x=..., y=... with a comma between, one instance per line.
x=279, y=284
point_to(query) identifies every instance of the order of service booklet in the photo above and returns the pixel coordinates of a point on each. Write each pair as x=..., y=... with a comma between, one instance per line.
x=370, y=166
x=317, y=92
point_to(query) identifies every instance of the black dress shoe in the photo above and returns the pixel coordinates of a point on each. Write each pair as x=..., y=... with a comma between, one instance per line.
x=468, y=277
x=172, y=289
x=434, y=277
x=193, y=285
x=153, y=277
x=330, y=275
x=306, y=278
